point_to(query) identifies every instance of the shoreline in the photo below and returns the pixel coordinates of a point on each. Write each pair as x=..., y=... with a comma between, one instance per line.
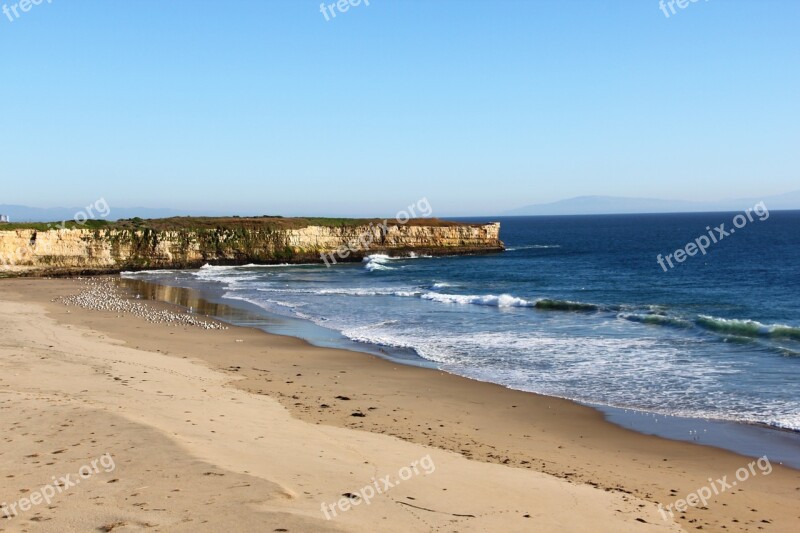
x=782, y=444
x=484, y=422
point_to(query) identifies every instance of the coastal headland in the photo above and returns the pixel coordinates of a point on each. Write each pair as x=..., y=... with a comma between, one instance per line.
x=101, y=247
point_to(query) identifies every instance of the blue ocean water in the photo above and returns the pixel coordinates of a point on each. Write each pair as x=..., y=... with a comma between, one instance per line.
x=576, y=307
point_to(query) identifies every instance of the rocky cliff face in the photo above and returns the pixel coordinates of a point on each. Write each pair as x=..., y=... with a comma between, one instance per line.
x=73, y=251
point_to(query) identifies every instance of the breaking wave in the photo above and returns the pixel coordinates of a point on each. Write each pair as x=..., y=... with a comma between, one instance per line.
x=502, y=300
x=747, y=328
x=378, y=262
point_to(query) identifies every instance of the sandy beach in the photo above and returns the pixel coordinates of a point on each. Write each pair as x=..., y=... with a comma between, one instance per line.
x=400, y=267
x=236, y=429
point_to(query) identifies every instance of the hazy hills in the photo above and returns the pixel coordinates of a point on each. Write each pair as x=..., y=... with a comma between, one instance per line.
x=605, y=205
x=580, y=205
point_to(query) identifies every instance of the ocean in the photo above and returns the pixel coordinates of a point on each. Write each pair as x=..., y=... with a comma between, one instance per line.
x=577, y=307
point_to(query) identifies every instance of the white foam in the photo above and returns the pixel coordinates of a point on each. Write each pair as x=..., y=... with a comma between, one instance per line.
x=290, y=305
x=378, y=262
x=253, y=265
x=377, y=266
x=502, y=300
x=348, y=291
x=130, y=273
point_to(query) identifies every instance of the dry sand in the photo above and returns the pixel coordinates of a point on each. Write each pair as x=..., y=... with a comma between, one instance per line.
x=247, y=431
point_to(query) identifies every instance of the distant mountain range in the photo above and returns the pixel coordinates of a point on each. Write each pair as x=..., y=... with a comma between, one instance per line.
x=608, y=205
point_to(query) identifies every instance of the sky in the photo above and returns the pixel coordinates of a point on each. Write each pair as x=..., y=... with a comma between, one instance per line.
x=480, y=107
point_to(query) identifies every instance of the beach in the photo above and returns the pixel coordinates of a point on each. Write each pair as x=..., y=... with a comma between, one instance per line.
x=236, y=428
x=448, y=279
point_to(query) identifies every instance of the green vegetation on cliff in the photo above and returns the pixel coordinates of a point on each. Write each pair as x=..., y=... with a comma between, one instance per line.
x=198, y=223
x=44, y=226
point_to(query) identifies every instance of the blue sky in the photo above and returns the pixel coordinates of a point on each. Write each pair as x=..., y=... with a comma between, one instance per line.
x=264, y=106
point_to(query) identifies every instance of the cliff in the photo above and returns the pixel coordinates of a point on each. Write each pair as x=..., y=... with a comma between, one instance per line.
x=190, y=243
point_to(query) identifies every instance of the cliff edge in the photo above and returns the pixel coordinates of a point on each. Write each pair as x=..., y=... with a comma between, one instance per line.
x=99, y=248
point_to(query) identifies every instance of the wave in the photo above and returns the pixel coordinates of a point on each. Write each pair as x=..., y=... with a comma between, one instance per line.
x=747, y=328
x=502, y=300
x=208, y=266
x=378, y=262
x=489, y=300
x=788, y=352
x=656, y=320
x=564, y=305
x=367, y=327
x=508, y=300
x=230, y=278
x=233, y=275
x=347, y=291
x=290, y=305
x=372, y=267
x=218, y=267
x=441, y=285
x=129, y=273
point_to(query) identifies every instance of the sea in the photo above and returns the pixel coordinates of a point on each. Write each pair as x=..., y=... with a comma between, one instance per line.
x=577, y=307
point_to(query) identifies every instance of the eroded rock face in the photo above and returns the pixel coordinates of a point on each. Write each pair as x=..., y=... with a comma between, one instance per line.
x=64, y=251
